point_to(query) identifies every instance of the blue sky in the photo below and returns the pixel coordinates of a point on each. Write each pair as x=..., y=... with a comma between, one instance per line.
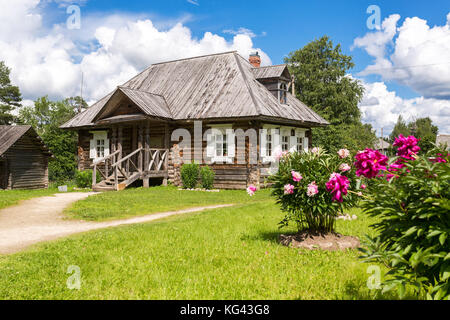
x=274, y=27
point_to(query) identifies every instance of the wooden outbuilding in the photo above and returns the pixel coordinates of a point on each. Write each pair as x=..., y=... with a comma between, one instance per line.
x=23, y=158
x=133, y=132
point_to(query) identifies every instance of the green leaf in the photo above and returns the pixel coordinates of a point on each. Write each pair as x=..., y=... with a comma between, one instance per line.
x=442, y=238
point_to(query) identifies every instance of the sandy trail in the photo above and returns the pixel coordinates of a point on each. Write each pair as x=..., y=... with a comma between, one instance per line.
x=41, y=219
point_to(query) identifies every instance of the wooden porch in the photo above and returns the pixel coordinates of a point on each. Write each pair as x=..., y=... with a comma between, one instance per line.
x=133, y=157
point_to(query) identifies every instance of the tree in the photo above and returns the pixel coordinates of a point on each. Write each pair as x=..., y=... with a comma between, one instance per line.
x=424, y=129
x=10, y=96
x=400, y=128
x=421, y=128
x=46, y=116
x=321, y=82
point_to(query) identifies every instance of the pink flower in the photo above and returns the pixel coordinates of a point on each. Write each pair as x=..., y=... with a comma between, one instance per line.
x=369, y=163
x=289, y=189
x=343, y=153
x=278, y=154
x=296, y=176
x=315, y=150
x=313, y=189
x=251, y=190
x=338, y=186
x=407, y=147
x=344, y=167
x=439, y=158
x=360, y=194
x=363, y=186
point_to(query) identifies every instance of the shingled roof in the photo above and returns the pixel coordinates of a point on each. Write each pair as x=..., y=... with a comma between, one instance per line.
x=11, y=134
x=268, y=72
x=208, y=87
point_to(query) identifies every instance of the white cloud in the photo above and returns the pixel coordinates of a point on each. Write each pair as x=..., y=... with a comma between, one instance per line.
x=241, y=30
x=193, y=2
x=109, y=51
x=381, y=108
x=415, y=55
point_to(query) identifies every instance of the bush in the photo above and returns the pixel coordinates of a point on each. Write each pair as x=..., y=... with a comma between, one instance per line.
x=313, y=187
x=207, y=177
x=413, y=207
x=189, y=175
x=83, y=179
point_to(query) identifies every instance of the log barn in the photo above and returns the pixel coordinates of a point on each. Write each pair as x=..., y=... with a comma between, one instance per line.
x=131, y=134
x=23, y=158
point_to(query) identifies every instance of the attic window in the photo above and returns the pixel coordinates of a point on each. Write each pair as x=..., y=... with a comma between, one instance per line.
x=283, y=93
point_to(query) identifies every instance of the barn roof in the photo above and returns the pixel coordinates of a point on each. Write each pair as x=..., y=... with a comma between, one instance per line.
x=208, y=87
x=443, y=139
x=381, y=144
x=10, y=134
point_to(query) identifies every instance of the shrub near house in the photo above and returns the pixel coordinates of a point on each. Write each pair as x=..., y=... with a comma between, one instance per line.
x=314, y=187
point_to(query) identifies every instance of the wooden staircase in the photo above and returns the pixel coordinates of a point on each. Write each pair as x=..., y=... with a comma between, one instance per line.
x=117, y=174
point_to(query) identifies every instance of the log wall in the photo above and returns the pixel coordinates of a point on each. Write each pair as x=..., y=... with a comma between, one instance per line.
x=228, y=176
x=25, y=165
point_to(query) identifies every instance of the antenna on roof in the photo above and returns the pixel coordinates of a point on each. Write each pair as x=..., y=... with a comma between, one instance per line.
x=81, y=92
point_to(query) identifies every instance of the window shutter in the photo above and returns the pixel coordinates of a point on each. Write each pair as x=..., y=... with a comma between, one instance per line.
x=231, y=144
x=210, y=147
x=106, y=147
x=305, y=143
x=92, y=151
x=276, y=138
x=262, y=143
x=292, y=143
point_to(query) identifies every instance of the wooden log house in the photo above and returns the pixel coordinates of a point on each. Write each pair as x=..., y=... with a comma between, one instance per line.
x=130, y=134
x=23, y=158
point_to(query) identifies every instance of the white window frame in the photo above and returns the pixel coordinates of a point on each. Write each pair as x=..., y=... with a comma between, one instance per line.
x=266, y=153
x=278, y=133
x=94, y=145
x=227, y=138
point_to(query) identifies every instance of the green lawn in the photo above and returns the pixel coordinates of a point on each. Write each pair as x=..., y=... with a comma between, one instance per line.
x=12, y=197
x=140, y=201
x=228, y=253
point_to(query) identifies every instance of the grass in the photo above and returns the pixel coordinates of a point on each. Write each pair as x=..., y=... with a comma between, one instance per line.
x=13, y=197
x=228, y=253
x=140, y=201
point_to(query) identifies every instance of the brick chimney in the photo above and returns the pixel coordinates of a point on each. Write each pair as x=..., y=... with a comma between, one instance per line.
x=255, y=60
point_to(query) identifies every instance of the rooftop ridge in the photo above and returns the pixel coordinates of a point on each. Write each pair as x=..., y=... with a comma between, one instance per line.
x=250, y=91
x=195, y=57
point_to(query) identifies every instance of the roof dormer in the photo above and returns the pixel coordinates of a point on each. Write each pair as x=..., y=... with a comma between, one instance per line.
x=276, y=79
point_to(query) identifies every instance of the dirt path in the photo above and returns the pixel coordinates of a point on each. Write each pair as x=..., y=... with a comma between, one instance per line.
x=41, y=219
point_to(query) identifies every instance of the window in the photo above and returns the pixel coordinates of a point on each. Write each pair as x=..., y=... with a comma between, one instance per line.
x=299, y=146
x=269, y=145
x=283, y=90
x=100, y=148
x=221, y=144
x=285, y=143
x=99, y=145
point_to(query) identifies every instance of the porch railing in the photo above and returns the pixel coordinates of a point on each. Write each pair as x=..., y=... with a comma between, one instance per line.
x=141, y=161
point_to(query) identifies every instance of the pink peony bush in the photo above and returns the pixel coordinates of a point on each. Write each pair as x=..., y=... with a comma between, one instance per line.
x=314, y=187
x=411, y=203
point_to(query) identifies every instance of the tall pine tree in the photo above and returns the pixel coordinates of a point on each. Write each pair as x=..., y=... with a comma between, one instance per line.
x=10, y=96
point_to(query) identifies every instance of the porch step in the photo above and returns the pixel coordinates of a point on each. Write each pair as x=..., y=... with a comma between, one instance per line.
x=129, y=181
x=103, y=188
